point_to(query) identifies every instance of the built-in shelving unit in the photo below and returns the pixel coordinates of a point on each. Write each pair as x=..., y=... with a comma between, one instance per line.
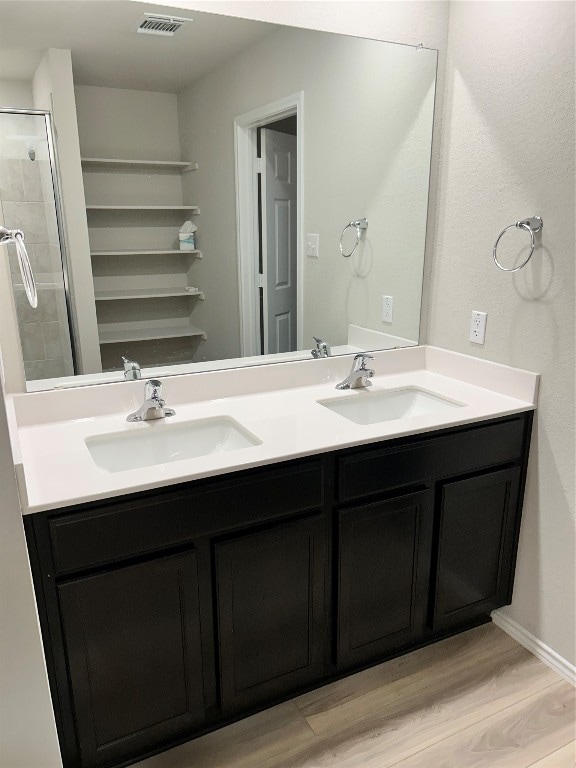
x=149, y=252
x=137, y=332
x=191, y=209
x=147, y=293
x=139, y=299
x=104, y=163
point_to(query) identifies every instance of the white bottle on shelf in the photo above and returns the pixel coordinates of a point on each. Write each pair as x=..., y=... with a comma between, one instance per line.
x=187, y=236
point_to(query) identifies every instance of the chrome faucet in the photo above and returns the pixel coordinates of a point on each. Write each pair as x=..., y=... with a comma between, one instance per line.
x=322, y=348
x=131, y=370
x=359, y=376
x=153, y=406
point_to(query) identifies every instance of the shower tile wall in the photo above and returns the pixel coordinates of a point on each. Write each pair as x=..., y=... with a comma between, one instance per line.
x=27, y=203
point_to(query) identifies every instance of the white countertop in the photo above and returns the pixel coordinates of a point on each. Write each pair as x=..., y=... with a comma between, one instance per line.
x=276, y=403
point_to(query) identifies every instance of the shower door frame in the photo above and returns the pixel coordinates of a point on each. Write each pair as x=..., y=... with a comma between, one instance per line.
x=53, y=158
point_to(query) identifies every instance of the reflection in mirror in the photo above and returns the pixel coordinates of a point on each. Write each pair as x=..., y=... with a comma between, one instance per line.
x=130, y=162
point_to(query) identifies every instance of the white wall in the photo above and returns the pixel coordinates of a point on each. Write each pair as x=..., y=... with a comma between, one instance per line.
x=135, y=125
x=27, y=729
x=16, y=94
x=508, y=153
x=367, y=125
x=53, y=89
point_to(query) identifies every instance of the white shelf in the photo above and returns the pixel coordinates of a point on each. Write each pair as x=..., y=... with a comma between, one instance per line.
x=193, y=209
x=125, y=332
x=153, y=252
x=161, y=165
x=147, y=293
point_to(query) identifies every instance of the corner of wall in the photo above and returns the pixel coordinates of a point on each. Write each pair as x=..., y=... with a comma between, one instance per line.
x=27, y=728
x=53, y=89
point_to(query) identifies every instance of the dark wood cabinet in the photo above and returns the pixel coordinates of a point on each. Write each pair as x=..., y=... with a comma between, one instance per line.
x=383, y=576
x=133, y=648
x=477, y=520
x=270, y=589
x=167, y=613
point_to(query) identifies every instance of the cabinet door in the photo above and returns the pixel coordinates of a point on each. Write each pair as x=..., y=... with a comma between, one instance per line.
x=271, y=611
x=475, y=547
x=383, y=579
x=133, y=645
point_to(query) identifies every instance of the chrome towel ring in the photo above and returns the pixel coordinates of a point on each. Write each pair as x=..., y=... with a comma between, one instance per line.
x=532, y=226
x=360, y=225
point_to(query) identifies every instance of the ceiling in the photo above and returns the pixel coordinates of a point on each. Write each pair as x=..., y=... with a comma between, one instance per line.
x=107, y=50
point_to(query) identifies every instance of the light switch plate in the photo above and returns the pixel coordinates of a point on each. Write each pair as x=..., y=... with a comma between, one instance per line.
x=313, y=246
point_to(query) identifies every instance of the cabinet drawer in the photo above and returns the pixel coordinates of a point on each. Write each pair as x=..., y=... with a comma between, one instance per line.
x=372, y=471
x=127, y=529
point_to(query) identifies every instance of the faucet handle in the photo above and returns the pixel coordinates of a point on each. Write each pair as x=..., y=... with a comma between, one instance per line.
x=322, y=348
x=154, y=407
x=363, y=356
x=131, y=369
x=153, y=390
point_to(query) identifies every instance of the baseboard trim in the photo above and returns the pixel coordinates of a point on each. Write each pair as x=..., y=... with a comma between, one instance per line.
x=546, y=654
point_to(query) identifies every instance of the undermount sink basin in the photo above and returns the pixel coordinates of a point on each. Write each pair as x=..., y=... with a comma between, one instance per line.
x=367, y=407
x=160, y=442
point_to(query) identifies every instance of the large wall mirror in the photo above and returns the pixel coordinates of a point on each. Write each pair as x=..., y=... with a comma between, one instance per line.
x=206, y=192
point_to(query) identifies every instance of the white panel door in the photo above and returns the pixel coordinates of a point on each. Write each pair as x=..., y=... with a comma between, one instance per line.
x=278, y=151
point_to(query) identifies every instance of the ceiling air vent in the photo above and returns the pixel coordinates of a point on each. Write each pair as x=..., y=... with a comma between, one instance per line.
x=154, y=24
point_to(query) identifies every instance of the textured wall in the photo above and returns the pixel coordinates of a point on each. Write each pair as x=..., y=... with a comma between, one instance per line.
x=508, y=153
x=399, y=21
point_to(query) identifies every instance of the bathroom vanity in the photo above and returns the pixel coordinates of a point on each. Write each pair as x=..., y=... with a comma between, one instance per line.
x=170, y=610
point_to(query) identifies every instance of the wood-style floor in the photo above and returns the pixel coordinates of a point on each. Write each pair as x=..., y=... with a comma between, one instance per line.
x=477, y=700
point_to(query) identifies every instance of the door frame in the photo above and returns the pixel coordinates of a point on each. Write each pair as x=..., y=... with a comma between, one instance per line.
x=247, y=223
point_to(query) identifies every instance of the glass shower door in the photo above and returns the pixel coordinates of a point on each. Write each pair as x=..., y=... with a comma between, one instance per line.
x=27, y=202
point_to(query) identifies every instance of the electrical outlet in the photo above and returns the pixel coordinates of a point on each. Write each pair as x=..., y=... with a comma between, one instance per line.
x=387, y=309
x=313, y=246
x=478, y=327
